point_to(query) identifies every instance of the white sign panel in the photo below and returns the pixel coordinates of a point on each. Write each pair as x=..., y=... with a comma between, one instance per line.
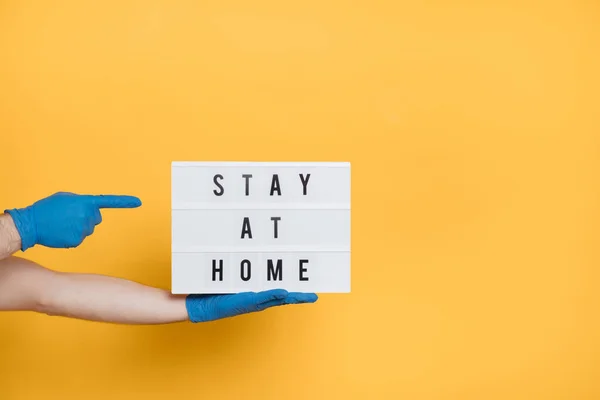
x=253, y=226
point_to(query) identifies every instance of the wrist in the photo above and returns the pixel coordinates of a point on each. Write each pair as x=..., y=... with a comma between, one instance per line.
x=9, y=232
x=22, y=219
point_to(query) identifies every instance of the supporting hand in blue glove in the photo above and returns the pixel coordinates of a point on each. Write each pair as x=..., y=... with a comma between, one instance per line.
x=64, y=220
x=203, y=308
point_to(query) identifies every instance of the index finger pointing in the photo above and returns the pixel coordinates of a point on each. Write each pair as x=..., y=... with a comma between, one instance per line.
x=115, y=201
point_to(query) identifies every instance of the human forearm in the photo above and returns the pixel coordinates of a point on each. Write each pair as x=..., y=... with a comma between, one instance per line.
x=27, y=286
x=10, y=241
x=109, y=299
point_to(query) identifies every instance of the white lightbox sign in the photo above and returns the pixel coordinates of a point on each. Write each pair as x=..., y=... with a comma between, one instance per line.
x=253, y=226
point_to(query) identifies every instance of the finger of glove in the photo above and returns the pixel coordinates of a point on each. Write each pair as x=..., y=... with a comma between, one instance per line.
x=292, y=298
x=89, y=228
x=271, y=303
x=297, y=298
x=97, y=216
x=249, y=301
x=269, y=295
x=114, y=201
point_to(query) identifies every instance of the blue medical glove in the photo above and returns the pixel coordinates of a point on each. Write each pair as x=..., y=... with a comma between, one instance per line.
x=64, y=220
x=209, y=307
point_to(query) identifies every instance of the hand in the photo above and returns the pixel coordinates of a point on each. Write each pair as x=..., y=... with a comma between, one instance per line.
x=64, y=220
x=203, y=308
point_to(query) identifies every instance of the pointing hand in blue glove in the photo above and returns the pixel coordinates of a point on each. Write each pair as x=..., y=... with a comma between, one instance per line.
x=203, y=308
x=64, y=220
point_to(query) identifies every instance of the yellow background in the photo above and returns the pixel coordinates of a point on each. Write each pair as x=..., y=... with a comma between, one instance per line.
x=473, y=129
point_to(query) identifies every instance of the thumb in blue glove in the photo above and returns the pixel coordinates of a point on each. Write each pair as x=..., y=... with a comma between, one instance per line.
x=203, y=308
x=64, y=219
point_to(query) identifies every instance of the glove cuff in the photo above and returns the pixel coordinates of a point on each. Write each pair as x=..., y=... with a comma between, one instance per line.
x=195, y=310
x=24, y=222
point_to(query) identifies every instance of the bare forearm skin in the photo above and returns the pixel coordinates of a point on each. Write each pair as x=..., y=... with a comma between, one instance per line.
x=10, y=241
x=27, y=286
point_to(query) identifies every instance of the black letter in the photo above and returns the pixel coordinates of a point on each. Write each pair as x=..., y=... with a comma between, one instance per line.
x=302, y=269
x=304, y=182
x=246, y=228
x=218, y=184
x=275, y=185
x=247, y=278
x=275, y=274
x=275, y=219
x=215, y=270
x=247, y=177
